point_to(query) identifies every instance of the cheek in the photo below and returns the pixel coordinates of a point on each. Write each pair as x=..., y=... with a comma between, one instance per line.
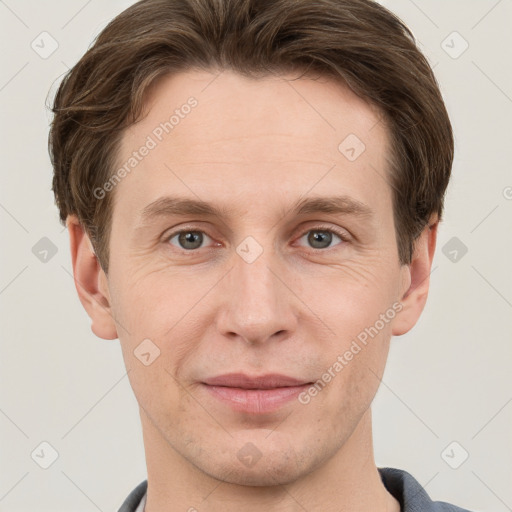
x=358, y=305
x=163, y=317
x=350, y=379
x=350, y=297
x=155, y=303
x=161, y=398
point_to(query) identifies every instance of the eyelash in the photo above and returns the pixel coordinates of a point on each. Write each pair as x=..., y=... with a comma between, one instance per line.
x=342, y=235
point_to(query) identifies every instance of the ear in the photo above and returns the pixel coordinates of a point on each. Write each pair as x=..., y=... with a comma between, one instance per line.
x=90, y=281
x=416, y=280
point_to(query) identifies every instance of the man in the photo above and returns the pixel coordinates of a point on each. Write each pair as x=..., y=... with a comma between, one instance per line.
x=252, y=191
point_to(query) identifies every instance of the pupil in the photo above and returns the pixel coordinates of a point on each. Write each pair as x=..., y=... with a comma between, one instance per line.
x=320, y=236
x=190, y=237
x=318, y=239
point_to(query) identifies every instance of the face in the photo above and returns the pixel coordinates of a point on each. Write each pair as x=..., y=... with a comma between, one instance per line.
x=255, y=327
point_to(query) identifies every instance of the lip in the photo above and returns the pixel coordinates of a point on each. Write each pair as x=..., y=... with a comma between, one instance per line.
x=241, y=380
x=254, y=394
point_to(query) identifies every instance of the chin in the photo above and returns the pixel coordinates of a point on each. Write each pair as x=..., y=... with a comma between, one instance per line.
x=269, y=465
x=262, y=475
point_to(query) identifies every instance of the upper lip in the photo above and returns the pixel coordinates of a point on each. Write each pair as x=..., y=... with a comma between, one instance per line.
x=241, y=380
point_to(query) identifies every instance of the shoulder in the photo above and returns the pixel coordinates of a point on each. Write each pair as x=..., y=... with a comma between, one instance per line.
x=410, y=494
x=133, y=500
x=401, y=484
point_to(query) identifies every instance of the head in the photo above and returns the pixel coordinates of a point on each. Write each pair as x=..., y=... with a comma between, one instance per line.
x=252, y=187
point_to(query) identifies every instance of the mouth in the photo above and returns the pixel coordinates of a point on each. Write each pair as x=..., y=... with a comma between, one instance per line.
x=254, y=394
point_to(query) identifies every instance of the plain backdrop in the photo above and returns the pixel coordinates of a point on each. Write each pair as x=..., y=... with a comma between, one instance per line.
x=444, y=408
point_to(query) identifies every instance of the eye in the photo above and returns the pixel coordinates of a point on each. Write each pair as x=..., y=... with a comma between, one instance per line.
x=321, y=238
x=188, y=239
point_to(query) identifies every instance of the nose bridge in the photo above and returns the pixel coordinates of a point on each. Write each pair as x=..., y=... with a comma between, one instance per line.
x=256, y=279
x=258, y=303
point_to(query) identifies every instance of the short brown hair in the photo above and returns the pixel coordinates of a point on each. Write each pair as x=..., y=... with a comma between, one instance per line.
x=356, y=41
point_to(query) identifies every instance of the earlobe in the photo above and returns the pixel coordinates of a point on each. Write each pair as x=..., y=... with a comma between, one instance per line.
x=90, y=281
x=417, y=277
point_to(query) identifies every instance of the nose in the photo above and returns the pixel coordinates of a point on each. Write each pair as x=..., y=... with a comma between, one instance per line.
x=259, y=305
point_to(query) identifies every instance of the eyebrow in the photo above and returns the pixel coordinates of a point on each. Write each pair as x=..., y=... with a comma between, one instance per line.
x=168, y=206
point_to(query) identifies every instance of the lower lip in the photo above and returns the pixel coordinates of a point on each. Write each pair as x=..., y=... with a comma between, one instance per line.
x=256, y=401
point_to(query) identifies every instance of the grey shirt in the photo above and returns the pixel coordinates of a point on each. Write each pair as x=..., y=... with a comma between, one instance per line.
x=403, y=486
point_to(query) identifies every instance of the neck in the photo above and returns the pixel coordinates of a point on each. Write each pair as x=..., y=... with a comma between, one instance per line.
x=348, y=481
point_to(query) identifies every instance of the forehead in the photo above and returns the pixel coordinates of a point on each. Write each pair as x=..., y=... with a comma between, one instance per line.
x=220, y=132
x=310, y=108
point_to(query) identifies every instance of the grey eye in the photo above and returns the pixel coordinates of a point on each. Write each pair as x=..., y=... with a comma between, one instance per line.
x=320, y=238
x=188, y=239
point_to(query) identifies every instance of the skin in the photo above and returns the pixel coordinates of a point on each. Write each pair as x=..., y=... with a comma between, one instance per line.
x=255, y=147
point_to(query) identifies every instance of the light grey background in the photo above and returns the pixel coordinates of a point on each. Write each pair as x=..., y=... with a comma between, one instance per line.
x=448, y=380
